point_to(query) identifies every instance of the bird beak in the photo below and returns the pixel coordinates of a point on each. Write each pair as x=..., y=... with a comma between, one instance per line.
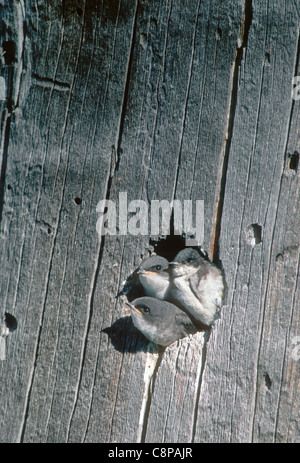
x=134, y=308
x=146, y=272
x=174, y=263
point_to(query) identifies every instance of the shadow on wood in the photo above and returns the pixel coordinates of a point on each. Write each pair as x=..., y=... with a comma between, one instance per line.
x=125, y=337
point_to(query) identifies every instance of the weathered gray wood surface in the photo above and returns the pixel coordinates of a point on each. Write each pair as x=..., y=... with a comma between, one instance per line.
x=161, y=100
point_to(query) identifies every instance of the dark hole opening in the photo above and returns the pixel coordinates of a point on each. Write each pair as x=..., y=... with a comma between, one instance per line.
x=294, y=161
x=9, y=51
x=268, y=381
x=257, y=232
x=11, y=322
x=78, y=201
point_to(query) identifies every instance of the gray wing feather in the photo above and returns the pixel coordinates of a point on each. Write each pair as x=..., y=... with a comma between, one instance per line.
x=182, y=319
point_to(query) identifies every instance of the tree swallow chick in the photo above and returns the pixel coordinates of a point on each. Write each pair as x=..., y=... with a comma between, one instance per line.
x=154, y=277
x=160, y=322
x=197, y=285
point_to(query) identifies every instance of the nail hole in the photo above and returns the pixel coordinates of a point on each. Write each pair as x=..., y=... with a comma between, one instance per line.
x=294, y=161
x=8, y=187
x=11, y=322
x=49, y=231
x=268, y=381
x=78, y=201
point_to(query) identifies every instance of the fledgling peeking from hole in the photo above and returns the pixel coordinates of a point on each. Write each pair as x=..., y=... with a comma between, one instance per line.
x=196, y=285
x=160, y=322
x=154, y=276
x=183, y=281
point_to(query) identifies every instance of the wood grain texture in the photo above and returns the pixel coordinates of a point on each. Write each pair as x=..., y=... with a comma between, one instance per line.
x=161, y=100
x=59, y=149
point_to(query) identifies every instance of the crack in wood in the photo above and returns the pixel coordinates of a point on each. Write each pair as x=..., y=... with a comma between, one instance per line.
x=20, y=49
x=36, y=348
x=241, y=45
x=116, y=151
x=199, y=383
x=87, y=330
x=4, y=149
x=214, y=251
x=53, y=84
x=13, y=84
x=246, y=23
x=186, y=103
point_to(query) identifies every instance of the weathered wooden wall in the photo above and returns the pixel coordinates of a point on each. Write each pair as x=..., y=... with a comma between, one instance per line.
x=162, y=100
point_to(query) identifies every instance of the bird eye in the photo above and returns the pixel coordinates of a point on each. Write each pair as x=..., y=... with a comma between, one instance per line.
x=190, y=259
x=146, y=309
x=158, y=267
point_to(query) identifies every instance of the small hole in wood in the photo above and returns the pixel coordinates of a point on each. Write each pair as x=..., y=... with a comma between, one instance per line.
x=79, y=11
x=257, y=232
x=11, y=322
x=268, y=381
x=8, y=187
x=78, y=201
x=294, y=161
x=254, y=234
